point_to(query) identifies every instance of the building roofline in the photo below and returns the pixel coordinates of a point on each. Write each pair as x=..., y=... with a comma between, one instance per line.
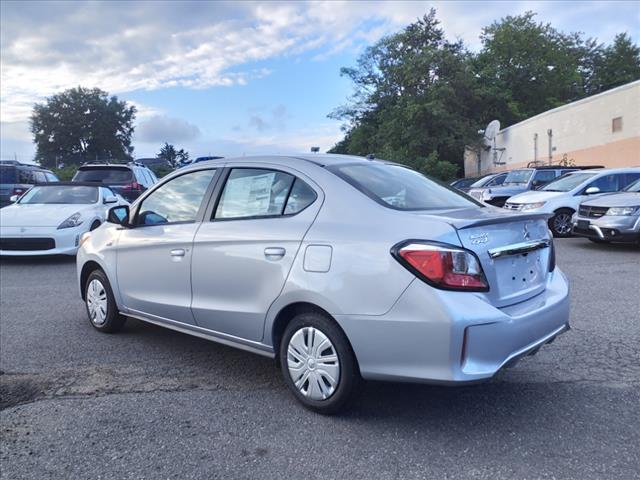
x=597, y=96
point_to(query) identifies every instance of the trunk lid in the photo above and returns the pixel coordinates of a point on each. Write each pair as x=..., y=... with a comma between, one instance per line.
x=513, y=277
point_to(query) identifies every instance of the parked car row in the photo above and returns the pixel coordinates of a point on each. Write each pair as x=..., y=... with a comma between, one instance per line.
x=559, y=192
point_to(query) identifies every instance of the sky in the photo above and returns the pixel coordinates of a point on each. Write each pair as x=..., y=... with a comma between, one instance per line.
x=230, y=78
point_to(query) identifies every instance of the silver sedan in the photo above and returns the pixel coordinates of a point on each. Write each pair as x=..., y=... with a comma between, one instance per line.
x=338, y=267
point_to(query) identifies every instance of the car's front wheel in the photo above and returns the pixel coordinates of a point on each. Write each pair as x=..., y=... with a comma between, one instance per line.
x=101, y=305
x=318, y=364
x=560, y=223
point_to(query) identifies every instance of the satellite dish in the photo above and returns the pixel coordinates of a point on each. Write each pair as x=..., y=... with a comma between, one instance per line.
x=492, y=130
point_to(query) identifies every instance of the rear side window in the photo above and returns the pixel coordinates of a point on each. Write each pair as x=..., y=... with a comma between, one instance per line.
x=25, y=175
x=39, y=177
x=8, y=175
x=50, y=177
x=301, y=196
x=105, y=175
x=401, y=188
x=251, y=193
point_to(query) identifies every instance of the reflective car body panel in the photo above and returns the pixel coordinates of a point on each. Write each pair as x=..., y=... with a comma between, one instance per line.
x=335, y=255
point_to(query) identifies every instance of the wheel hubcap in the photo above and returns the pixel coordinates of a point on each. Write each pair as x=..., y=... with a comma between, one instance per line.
x=562, y=223
x=313, y=363
x=97, y=302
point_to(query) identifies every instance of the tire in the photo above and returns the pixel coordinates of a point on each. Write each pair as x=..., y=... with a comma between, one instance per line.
x=560, y=223
x=98, y=297
x=94, y=225
x=321, y=392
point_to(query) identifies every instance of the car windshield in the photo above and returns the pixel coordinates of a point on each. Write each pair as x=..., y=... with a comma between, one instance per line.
x=518, y=176
x=7, y=174
x=61, y=194
x=634, y=187
x=483, y=181
x=106, y=175
x=567, y=182
x=401, y=188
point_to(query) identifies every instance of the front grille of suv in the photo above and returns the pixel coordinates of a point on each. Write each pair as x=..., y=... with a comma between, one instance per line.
x=592, y=212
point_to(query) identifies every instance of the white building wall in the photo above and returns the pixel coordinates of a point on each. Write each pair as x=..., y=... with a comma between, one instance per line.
x=582, y=133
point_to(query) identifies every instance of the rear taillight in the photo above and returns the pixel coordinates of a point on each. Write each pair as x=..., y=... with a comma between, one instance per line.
x=552, y=255
x=443, y=266
x=133, y=186
x=18, y=191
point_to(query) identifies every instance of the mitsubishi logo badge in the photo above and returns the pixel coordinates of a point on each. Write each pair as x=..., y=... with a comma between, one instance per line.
x=527, y=236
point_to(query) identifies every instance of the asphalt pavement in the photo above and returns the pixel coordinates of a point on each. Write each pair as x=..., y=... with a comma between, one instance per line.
x=152, y=403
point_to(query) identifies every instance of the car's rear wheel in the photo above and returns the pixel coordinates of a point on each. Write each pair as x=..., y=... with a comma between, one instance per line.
x=560, y=223
x=318, y=364
x=101, y=305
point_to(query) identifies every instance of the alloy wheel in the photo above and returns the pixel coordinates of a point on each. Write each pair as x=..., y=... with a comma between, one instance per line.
x=97, y=302
x=313, y=363
x=562, y=223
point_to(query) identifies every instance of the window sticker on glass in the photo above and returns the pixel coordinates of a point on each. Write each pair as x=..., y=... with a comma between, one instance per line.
x=247, y=196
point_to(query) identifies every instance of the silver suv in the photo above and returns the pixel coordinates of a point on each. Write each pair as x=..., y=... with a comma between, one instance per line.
x=339, y=267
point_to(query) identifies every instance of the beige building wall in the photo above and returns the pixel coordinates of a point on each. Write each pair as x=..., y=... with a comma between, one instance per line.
x=600, y=130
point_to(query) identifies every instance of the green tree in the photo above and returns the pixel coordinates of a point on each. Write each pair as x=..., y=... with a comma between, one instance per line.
x=82, y=124
x=414, y=97
x=617, y=64
x=169, y=153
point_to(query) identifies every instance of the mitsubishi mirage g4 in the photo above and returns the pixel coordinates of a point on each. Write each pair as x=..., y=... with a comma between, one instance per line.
x=338, y=267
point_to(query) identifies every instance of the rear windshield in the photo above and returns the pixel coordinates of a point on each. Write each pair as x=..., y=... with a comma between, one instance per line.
x=7, y=174
x=518, y=176
x=401, y=188
x=106, y=175
x=567, y=182
x=61, y=194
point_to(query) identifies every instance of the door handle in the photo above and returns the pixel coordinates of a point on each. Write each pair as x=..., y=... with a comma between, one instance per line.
x=274, y=253
x=178, y=252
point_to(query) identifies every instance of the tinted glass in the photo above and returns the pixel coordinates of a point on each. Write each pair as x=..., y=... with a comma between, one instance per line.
x=25, y=175
x=567, y=182
x=497, y=180
x=608, y=183
x=104, y=175
x=39, y=177
x=253, y=192
x=631, y=177
x=301, y=196
x=50, y=177
x=401, y=188
x=8, y=175
x=634, y=187
x=518, y=176
x=544, y=176
x=177, y=200
x=62, y=194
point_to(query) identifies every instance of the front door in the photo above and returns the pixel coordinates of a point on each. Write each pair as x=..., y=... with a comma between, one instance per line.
x=154, y=256
x=242, y=256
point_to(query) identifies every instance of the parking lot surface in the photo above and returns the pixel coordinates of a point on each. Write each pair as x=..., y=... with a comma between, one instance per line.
x=152, y=403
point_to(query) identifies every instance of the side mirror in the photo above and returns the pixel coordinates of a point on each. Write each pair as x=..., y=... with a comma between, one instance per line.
x=592, y=190
x=14, y=198
x=119, y=215
x=111, y=200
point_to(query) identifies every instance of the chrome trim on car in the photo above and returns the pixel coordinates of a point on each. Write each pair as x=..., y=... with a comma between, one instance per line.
x=597, y=229
x=518, y=248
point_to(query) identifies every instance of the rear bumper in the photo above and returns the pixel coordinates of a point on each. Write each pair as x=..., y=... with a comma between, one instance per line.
x=440, y=337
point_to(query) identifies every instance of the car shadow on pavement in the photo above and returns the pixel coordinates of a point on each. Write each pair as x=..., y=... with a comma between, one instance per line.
x=38, y=260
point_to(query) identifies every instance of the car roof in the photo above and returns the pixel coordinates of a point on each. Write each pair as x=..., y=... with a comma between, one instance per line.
x=320, y=159
x=71, y=184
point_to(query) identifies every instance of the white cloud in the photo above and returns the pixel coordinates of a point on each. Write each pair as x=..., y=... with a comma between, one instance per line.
x=161, y=128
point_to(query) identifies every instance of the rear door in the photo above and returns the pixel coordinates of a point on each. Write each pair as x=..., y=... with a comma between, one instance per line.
x=243, y=254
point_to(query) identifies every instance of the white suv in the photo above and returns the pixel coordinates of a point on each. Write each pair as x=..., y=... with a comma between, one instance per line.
x=561, y=197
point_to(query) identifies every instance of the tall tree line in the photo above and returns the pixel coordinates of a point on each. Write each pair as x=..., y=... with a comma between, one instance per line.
x=420, y=98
